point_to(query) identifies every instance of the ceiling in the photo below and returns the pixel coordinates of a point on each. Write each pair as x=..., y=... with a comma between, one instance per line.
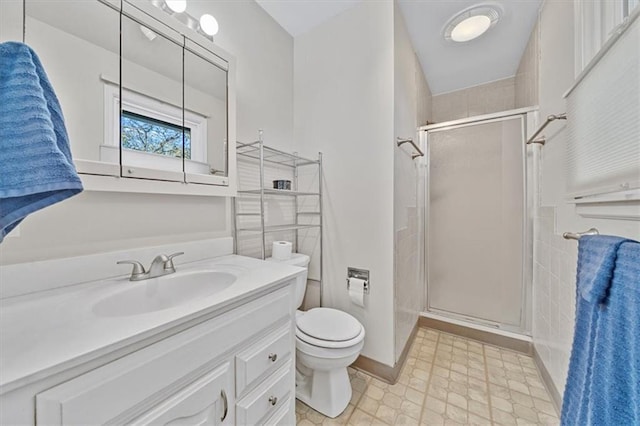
x=447, y=65
x=299, y=16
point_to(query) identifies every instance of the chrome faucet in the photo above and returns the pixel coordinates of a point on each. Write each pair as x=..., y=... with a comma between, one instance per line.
x=161, y=265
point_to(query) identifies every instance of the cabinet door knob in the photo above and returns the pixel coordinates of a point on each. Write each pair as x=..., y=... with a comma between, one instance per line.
x=273, y=400
x=225, y=405
x=273, y=357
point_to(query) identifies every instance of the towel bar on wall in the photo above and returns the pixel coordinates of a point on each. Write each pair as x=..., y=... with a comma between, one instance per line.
x=577, y=235
x=414, y=155
x=542, y=139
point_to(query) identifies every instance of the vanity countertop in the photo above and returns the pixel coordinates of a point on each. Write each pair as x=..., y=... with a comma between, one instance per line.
x=49, y=332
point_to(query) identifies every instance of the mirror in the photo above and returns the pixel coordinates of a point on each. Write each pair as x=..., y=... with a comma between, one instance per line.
x=172, y=122
x=153, y=135
x=205, y=103
x=78, y=43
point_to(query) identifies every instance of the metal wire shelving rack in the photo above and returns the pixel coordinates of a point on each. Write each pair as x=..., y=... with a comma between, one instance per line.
x=265, y=155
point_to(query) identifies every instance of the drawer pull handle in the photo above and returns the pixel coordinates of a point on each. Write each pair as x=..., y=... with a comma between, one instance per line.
x=225, y=405
x=273, y=400
x=273, y=357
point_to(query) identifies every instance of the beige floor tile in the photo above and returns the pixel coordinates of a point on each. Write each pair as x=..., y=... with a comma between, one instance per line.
x=410, y=409
x=374, y=392
x=456, y=413
x=405, y=420
x=360, y=418
x=392, y=401
x=368, y=405
x=526, y=413
x=468, y=384
x=436, y=405
x=544, y=407
x=431, y=418
x=386, y=414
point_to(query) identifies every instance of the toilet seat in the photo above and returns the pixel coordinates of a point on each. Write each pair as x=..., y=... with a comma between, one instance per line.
x=329, y=328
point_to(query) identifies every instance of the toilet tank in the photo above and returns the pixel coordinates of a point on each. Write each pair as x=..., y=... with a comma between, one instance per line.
x=302, y=261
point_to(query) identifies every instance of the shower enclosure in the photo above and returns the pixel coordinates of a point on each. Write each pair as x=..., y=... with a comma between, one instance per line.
x=478, y=222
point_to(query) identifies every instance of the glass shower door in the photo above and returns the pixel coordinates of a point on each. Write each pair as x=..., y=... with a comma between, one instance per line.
x=475, y=224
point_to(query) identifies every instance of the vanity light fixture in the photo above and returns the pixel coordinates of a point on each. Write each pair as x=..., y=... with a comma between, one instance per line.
x=207, y=25
x=177, y=6
x=471, y=23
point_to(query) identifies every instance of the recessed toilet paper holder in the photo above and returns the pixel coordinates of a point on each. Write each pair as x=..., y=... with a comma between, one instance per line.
x=362, y=274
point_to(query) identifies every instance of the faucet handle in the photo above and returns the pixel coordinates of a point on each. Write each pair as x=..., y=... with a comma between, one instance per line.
x=169, y=263
x=138, y=269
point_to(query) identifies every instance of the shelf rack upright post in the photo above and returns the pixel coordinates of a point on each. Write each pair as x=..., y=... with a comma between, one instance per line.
x=265, y=154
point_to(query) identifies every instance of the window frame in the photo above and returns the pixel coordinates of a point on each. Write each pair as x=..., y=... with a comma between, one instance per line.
x=155, y=109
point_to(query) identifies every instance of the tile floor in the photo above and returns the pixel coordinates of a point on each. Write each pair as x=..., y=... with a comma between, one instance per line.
x=447, y=380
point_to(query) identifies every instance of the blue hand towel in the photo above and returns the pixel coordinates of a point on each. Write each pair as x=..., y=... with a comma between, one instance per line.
x=598, y=270
x=35, y=159
x=614, y=394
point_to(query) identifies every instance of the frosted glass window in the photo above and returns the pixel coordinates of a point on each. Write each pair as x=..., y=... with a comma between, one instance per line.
x=603, y=149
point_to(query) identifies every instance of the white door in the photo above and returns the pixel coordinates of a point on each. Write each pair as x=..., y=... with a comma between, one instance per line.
x=475, y=225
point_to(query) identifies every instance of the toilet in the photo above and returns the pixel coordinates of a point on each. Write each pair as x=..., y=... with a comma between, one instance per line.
x=327, y=342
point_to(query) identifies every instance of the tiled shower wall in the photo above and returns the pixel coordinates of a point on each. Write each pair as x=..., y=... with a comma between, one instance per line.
x=477, y=100
x=554, y=277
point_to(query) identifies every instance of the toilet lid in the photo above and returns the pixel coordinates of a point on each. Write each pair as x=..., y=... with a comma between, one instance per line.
x=329, y=324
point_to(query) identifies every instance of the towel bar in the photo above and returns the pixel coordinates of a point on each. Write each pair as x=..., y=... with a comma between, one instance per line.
x=577, y=235
x=414, y=155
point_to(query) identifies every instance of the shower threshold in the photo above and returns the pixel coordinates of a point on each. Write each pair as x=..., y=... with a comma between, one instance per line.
x=486, y=333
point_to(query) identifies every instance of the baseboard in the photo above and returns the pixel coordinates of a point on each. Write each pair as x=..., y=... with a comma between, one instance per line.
x=506, y=342
x=383, y=371
x=556, y=399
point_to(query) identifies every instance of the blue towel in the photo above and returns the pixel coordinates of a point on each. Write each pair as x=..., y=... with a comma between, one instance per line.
x=35, y=160
x=603, y=384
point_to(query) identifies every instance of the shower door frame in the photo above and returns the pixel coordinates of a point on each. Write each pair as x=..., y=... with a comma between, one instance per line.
x=529, y=117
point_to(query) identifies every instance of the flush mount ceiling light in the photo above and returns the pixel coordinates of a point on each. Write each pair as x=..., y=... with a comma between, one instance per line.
x=471, y=23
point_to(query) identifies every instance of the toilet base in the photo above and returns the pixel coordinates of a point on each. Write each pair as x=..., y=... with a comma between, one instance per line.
x=326, y=391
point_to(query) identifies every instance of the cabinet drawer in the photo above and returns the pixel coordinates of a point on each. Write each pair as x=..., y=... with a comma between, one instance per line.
x=124, y=389
x=282, y=416
x=263, y=358
x=267, y=398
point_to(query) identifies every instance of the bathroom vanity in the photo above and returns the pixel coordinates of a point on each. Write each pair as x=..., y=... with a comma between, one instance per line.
x=83, y=355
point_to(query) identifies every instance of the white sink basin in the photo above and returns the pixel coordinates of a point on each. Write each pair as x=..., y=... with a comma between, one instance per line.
x=165, y=292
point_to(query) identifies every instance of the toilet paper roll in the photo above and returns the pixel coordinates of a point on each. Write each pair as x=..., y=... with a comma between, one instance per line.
x=281, y=250
x=356, y=291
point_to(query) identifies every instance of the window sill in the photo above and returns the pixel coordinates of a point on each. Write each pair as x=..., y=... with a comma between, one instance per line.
x=620, y=205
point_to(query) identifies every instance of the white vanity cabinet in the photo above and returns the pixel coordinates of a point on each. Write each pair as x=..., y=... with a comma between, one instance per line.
x=234, y=368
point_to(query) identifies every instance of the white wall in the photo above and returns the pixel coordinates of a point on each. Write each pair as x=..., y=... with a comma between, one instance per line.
x=343, y=98
x=554, y=257
x=411, y=97
x=97, y=222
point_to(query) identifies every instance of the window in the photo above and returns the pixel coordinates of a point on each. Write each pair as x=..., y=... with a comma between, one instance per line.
x=596, y=22
x=142, y=133
x=152, y=132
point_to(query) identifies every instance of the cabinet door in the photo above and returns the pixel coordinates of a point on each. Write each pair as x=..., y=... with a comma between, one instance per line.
x=207, y=401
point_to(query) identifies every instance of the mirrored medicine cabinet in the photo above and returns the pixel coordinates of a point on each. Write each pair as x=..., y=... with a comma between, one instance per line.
x=149, y=103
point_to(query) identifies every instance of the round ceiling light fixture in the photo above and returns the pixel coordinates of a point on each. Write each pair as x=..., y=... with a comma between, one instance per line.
x=471, y=23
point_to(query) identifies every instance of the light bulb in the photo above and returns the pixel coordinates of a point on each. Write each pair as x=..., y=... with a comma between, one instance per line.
x=177, y=6
x=471, y=28
x=208, y=24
